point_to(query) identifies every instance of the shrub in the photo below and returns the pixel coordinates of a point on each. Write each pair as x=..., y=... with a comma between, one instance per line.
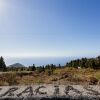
x=63, y=76
x=39, y=81
x=24, y=73
x=54, y=79
x=10, y=78
x=3, y=83
x=93, y=81
x=49, y=72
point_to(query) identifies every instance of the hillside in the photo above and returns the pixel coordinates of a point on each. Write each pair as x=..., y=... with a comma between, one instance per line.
x=58, y=76
x=16, y=65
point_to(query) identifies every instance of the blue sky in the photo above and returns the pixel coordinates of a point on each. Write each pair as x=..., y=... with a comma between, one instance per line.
x=49, y=28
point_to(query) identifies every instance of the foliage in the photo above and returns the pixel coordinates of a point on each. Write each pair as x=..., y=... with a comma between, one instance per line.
x=2, y=64
x=85, y=63
x=10, y=78
x=93, y=81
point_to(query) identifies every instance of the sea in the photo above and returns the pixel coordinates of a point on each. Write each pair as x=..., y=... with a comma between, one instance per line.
x=38, y=61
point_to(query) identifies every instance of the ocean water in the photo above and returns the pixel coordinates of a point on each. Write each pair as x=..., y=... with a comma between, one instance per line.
x=38, y=60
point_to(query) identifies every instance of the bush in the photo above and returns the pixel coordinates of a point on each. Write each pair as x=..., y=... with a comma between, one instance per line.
x=64, y=75
x=3, y=83
x=10, y=78
x=24, y=73
x=54, y=79
x=93, y=81
x=49, y=72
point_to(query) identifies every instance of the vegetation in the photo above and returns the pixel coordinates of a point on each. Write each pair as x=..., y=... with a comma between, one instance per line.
x=2, y=64
x=85, y=63
x=93, y=63
x=58, y=76
x=80, y=71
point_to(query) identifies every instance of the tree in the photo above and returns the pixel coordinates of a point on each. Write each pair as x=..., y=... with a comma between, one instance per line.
x=33, y=67
x=40, y=69
x=83, y=62
x=59, y=66
x=2, y=64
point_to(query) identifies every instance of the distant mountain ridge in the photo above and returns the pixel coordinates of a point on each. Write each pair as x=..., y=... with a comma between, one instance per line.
x=16, y=65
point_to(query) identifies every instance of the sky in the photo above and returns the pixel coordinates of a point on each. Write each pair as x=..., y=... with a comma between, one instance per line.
x=49, y=28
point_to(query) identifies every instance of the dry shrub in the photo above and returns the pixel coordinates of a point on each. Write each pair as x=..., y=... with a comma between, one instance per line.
x=48, y=72
x=10, y=78
x=3, y=83
x=74, y=78
x=53, y=79
x=63, y=76
x=93, y=81
x=24, y=73
x=40, y=81
x=97, y=75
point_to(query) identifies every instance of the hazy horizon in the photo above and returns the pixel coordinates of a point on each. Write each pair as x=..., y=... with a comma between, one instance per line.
x=39, y=61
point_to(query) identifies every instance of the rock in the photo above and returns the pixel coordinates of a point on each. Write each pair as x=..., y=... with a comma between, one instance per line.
x=50, y=92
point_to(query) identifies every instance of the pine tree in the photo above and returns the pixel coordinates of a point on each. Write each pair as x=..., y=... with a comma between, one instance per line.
x=2, y=64
x=33, y=67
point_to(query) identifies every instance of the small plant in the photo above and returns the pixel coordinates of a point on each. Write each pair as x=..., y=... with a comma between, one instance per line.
x=3, y=83
x=49, y=72
x=54, y=79
x=24, y=73
x=39, y=81
x=93, y=81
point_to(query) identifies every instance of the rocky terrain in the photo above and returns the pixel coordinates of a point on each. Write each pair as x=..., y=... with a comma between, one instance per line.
x=50, y=92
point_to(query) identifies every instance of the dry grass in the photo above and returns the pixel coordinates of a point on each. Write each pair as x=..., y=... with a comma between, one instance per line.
x=59, y=76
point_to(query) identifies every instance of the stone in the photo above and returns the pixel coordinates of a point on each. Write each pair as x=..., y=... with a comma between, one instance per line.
x=50, y=92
